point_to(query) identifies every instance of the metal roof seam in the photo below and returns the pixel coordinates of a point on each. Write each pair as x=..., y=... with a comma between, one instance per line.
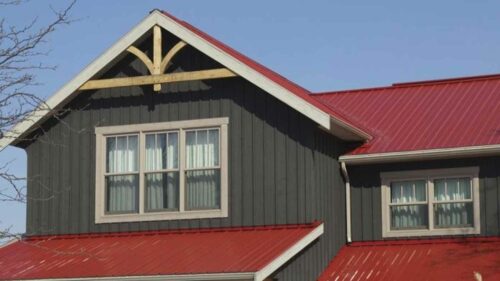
x=439, y=259
x=148, y=255
x=458, y=114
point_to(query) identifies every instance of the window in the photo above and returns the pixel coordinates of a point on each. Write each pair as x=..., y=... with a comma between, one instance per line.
x=162, y=171
x=430, y=202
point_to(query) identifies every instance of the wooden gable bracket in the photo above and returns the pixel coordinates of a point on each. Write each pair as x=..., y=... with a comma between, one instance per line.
x=157, y=69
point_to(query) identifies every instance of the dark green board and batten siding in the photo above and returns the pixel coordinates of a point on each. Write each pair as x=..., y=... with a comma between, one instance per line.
x=366, y=194
x=283, y=169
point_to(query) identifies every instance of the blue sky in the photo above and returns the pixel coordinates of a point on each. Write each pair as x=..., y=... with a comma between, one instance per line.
x=321, y=45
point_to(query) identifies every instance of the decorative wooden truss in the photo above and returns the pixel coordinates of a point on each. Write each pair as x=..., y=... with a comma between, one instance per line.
x=157, y=68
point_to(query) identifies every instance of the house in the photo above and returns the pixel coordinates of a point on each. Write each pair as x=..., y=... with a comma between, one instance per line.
x=174, y=157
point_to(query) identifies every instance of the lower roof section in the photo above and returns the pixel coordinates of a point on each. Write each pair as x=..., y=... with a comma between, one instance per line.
x=248, y=253
x=433, y=259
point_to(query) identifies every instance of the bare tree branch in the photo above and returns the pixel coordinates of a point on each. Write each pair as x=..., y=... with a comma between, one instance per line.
x=21, y=49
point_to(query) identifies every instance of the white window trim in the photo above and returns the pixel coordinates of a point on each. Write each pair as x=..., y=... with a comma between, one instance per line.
x=429, y=175
x=102, y=132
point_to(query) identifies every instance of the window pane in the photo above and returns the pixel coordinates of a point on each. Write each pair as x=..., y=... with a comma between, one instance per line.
x=203, y=189
x=453, y=215
x=408, y=191
x=173, y=151
x=202, y=148
x=133, y=154
x=122, y=194
x=190, y=149
x=213, y=141
x=122, y=154
x=110, y=154
x=161, y=151
x=452, y=189
x=162, y=191
x=150, y=152
x=409, y=217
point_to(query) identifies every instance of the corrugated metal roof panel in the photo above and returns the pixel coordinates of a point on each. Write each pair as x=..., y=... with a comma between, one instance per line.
x=224, y=250
x=437, y=259
x=437, y=114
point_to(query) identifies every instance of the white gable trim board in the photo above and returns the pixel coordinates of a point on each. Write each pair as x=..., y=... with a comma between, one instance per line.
x=64, y=94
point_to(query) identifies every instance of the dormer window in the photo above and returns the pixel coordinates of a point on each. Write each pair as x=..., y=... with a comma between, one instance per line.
x=430, y=202
x=162, y=171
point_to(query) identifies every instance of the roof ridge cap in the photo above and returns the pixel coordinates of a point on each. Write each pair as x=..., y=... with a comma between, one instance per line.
x=449, y=80
x=400, y=85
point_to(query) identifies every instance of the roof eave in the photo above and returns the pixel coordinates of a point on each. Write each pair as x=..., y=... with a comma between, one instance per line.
x=420, y=155
x=346, y=131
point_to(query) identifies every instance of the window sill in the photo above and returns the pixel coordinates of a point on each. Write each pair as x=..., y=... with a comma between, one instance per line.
x=159, y=216
x=434, y=232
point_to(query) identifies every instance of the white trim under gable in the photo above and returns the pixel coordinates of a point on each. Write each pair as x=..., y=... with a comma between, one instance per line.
x=64, y=94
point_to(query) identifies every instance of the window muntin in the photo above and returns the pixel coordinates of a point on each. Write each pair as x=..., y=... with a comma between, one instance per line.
x=430, y=202
x=173, y=170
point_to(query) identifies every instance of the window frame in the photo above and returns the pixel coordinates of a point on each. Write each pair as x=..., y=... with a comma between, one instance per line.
x=429, y=176
x=129, y=173
x=101, y=216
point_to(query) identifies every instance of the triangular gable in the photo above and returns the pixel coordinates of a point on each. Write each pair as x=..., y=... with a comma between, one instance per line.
x=274, y=84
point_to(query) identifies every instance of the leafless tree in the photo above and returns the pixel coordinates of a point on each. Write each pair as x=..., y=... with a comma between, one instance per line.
x=22, y=49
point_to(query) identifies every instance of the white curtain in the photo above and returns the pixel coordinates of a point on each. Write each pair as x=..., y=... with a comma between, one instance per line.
x=162, y=188
x=121, y=190
x=203, y=175
x=410, y=215
x=452, y=214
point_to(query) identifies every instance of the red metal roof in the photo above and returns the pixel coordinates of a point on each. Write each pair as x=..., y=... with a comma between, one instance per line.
x=270, y=74
x=223, y=250
x=435, y=114
x=437, y=259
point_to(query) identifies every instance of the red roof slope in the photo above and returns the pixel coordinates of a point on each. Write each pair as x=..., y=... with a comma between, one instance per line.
x=273, y=76
x=424, y=115
x=438, y=259
x=224, y=250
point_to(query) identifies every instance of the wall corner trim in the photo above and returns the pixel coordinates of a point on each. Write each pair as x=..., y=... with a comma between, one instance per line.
x=343, y=166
